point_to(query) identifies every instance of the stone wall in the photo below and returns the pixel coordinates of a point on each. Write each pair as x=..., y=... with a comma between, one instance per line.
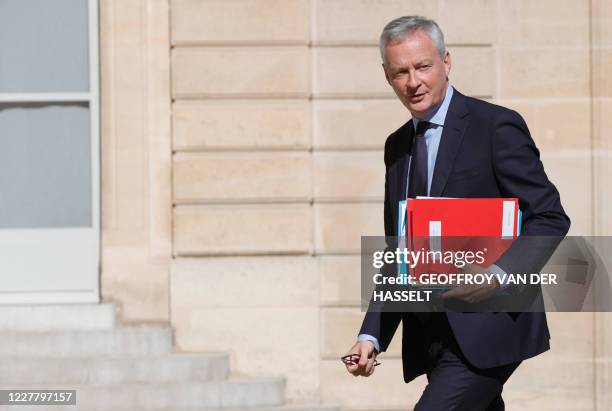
x=273, y=158
x=136, y=157
x=601, y=98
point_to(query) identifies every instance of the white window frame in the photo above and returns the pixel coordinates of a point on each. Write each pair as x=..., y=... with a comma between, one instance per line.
x=61, y=236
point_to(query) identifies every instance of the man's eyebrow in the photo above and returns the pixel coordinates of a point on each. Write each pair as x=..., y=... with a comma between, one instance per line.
x=398, y=67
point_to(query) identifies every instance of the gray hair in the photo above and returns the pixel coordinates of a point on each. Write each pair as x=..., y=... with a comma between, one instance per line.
x=402, y=27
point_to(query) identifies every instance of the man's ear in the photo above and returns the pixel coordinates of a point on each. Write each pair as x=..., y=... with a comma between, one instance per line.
x=386, y=75
x=447, y=63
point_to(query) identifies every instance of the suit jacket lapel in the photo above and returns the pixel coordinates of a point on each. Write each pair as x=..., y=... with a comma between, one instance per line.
x=403, y=166
x=452, y=134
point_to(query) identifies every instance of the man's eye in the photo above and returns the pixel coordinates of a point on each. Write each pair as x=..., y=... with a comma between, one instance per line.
x=425, y=67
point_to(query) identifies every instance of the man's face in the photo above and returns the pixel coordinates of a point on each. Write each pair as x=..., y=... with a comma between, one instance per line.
x=416, y=72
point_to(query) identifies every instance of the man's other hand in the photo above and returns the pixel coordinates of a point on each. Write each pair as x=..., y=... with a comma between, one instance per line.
x=364, y=354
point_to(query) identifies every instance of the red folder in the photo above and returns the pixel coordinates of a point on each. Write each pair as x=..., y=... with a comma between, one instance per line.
x=487, y=225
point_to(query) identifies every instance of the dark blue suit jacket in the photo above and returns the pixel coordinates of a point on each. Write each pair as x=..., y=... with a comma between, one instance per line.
x=485, y=151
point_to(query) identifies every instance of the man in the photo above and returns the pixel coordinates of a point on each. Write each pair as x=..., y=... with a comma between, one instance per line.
x=458, y=147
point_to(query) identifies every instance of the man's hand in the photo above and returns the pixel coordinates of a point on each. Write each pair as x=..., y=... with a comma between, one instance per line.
x=472, y=293
x=364, y=354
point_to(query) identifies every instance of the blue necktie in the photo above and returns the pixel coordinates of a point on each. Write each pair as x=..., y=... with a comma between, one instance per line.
x=418, y=163
x=418, y=183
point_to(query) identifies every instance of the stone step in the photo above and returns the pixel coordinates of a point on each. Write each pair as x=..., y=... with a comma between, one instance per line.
x=38, y=318
x=141, y=340
x=301, y=407
x=233, y=393
x=287, y=407
x=114, y=370
x=292, y=407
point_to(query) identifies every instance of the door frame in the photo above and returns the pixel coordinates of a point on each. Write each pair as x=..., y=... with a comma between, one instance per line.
x=88, y=238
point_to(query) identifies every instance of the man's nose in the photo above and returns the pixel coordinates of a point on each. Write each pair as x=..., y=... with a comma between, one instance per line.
x=414, y=81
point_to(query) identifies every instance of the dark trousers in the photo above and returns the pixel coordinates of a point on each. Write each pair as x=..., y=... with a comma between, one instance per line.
x=453, y=383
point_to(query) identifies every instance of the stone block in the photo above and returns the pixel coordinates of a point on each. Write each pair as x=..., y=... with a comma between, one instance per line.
x=363, y=124
x=601, y=21
x=278, y=340
x=473, y=70
x=555, y=384
x=339, y=227
x=143, y=294
x=346, y=176
x=200, y=72
x=246, y=392
x=536, y=72
x=570, y=172
x=602, y=161
x=554, y=33
x=237, y=177
x=287, y=281
x=467, y=21
x=267, y=321
x=135, y=136
x=362, y=20
x=526, y=24
x=384, y=390
x=241, y=22
x=349, y=72
x=603, y=357
x=210, y=125
x=571, y=336
x=340, y=280
x=549, y=10
x=555, y=125
x=339, y=330
x=564, y=125
x=243, y=229
x=602, y=66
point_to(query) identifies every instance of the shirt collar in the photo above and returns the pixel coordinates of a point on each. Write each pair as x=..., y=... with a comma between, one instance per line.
x=439, y=115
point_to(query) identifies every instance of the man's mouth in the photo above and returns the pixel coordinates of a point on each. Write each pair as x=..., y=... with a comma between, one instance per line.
x=417, y=97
